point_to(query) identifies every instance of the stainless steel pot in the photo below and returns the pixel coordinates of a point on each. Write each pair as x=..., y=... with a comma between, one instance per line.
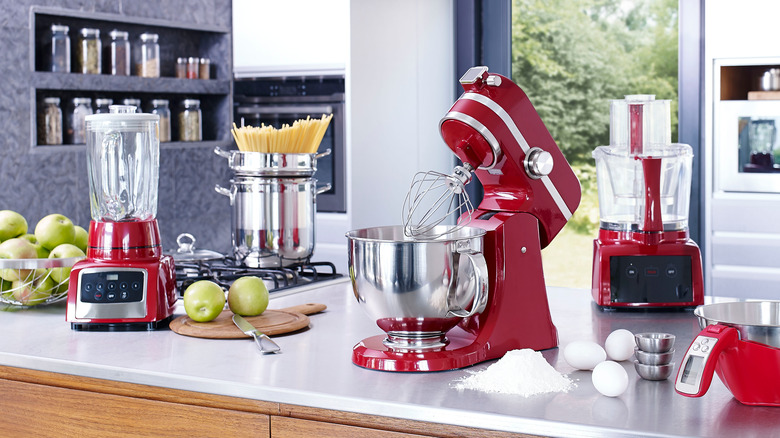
x=272, y=219
x=271, y=165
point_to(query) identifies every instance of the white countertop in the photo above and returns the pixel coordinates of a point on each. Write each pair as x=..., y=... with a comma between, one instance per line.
x=315, y=369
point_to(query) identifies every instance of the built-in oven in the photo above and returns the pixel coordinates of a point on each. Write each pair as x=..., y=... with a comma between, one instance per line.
x=279, y=101
x=747, y=146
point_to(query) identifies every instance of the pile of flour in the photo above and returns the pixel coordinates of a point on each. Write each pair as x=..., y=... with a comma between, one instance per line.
x=520, y=372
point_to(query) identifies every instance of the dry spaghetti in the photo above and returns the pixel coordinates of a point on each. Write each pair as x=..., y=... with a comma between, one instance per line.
x=303, y=137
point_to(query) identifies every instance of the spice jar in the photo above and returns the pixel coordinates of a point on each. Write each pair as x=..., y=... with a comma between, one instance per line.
x=60, y=48
x=50, y=122
x=205, y=68
x=148, y=59
x=190, y=121
x=101, y=105
x=133, y=102
x=89, y=52
x=160, y=107
x=76, y=129
x=192, y=68
x=120, y=53
x=181, y=68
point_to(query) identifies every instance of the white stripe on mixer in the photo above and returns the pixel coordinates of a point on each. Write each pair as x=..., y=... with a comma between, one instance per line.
x=479, y=127
x=507, y=119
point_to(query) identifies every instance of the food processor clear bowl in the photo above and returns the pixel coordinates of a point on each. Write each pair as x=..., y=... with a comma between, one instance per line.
x=123, y=156
x=621, y=186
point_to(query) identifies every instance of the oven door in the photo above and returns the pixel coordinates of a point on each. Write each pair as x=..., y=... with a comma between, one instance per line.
x=330, y=168
x=747, y=150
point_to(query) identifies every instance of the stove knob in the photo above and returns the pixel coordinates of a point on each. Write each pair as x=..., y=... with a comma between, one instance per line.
x=538, y=163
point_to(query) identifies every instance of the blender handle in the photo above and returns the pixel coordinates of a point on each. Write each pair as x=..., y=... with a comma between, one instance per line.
x=480, y=269
x=698, y=365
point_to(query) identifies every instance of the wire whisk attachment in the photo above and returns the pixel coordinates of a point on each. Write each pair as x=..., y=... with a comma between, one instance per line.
x=434, y=197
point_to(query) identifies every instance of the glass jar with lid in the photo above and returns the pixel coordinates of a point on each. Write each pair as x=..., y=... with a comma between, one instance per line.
x=190, y=121
x=120, y=53
x=205, y=68
x=181, y=68
x=193, y=67
x=160, y=107
x=50, y=122
x=76, y=130
x=89, y=52
x=147, y=59
x=60, y=48
x=131, y=101
x=102, y=104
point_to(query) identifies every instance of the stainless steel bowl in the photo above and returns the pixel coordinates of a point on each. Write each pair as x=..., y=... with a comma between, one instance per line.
x=416, y=289
x=653, y=358
x=757, y=321
x=654, y=372
x=654, y=342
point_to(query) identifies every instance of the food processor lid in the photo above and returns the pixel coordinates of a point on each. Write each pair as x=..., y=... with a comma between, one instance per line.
x=639, y=123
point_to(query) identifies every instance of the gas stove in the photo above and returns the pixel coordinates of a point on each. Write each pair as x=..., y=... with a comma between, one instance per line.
x=226, y=270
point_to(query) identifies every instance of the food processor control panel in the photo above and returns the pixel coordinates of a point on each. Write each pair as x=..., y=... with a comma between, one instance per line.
x=112, y=292
x=651, y=279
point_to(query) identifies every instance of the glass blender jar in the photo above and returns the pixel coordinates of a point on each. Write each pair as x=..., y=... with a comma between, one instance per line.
x=644, y=256
x=125, y=283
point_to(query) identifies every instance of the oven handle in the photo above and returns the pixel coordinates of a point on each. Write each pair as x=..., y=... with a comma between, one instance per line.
x=285, y=109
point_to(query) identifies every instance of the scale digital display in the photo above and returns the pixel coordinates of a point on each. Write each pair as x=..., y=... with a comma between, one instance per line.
x=692, y=370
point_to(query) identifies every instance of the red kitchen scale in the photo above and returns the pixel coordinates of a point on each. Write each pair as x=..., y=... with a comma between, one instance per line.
x=125, y=283
x=530, y=192
x=643, y=256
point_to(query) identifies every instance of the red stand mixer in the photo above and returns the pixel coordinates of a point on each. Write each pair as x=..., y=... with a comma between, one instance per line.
x=644, y=256
x=125, y=283
x=530, y=192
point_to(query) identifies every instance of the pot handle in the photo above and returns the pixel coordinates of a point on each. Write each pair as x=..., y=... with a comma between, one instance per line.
x=323, y=154
x=695, y=373
x=323, y=189
x=479, y=267
x=224, y=154
x=230, y=193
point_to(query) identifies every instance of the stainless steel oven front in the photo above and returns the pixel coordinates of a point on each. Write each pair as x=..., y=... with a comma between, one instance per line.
x=279, y=101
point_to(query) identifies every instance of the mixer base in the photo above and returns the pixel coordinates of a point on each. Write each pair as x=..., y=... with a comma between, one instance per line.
x=462, y=350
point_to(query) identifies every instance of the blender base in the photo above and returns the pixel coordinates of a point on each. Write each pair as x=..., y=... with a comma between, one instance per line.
x=122, y=327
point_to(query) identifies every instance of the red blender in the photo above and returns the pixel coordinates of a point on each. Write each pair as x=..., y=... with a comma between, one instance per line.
x=643, y=256
x=530, y=192
x=125, y=283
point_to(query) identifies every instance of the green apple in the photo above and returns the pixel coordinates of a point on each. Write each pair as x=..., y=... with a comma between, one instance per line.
x=12, y=224
x=35, y=291
x=204, y=300
x=81, y=239
x=5, y=289
x=42, y=252
x=64, y=251
x=55, y=229
x=16, y=248
x=248, y=296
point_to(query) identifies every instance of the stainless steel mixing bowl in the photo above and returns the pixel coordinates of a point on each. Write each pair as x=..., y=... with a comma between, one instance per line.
x=418, y=288
x=757, y=321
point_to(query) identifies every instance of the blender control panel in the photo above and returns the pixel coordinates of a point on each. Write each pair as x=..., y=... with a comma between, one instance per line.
x=113, y=286
x=651, y=279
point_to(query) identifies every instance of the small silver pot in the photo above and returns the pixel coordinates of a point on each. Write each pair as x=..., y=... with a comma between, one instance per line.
x=272, y=219
x=271, y=165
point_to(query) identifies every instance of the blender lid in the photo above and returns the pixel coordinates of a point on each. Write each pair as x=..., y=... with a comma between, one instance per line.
x=122, y=113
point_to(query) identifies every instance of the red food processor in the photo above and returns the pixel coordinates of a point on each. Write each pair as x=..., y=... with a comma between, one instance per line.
x=741, y=342
x=125, y=283
x=644, y=256
x=530, y=192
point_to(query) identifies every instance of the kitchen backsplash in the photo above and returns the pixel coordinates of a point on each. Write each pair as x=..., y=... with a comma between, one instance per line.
x=39, y=181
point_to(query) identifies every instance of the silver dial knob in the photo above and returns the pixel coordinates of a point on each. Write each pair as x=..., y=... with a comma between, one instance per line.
x=538, y=163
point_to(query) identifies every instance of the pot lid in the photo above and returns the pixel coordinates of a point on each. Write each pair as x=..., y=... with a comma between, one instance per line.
x=188, y=253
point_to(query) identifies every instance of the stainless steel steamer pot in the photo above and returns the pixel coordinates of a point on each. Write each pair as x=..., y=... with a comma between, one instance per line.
x=272, y=219
x=271, y=165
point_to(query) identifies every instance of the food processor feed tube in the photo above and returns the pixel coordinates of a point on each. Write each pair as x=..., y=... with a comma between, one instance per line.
x=644, y=256
x=125, y=283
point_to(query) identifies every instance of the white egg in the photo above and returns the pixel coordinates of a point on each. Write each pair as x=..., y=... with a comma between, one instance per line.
x=620, y=345
x=584, y=355
x=610, y=378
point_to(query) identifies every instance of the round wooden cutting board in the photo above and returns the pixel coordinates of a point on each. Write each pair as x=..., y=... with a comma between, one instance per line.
x=271, y=322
